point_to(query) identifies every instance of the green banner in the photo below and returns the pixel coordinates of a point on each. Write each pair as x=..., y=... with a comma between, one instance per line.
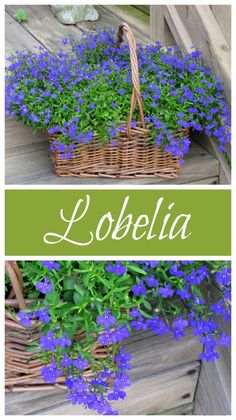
x=118, y=222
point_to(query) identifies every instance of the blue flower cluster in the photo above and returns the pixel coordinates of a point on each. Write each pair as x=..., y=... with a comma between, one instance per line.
x=26, y=318
x=162, y=296
x=84, y=94
x=107, y=386
x=51, y=265
x=44, y=286
x=42, y=315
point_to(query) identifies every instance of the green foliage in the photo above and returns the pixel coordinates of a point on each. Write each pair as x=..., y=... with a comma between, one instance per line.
x=20, y=15
x=85, y=304
x=84, y=93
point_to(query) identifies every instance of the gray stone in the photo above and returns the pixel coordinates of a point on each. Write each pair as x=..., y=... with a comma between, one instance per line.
x=69, y=15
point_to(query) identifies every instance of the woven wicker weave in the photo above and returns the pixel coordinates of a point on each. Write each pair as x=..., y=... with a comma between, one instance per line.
x=22, y=366
x=133, y=156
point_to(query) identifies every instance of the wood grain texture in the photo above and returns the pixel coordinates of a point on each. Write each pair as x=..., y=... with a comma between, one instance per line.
x=28, y=162
x=132, y=16
x=178, y=29
x=210, y=146
x=164, y=376
x=206, y=34
x=159, y=30
x=108, y=20
x=152, y=356
x=213, y=395
x=152, y=395
x=222, y=14
x=16, y=37
x=32, y=165
x=44, y=26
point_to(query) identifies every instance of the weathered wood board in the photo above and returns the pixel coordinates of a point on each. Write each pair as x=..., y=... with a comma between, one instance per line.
x=32, y=165
x=16, y=37
x=207, y=36
x=222, y=14
x=28, y=162
x=107, y=19
x=213, y=395
x=132, y=16
x=151, y=395
x=159, y=29
x=44, y=27
x=164, y=378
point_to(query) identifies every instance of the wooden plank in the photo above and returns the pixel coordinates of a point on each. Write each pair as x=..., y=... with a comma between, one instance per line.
x=23, y=403
x=216, y=47
x=225, y=172
x=18, y=135
x=222, y=14
x=132, y=16
x=108, y=20
x=178, y=29
x=170, y=354
x=198, y=23
x=16, y=37
x=152, y=395
x=158, y=364
x=32, y=165
x=28, y=162
x=207, y=181
x=18, y=404
x=43, y=25
x=159, y=30
x=207, y=36
x=210, y=400
x=186, y=409
x=213, y=395
x=210, y=146
x=159, y=393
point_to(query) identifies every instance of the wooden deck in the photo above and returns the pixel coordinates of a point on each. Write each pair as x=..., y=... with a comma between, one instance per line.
x=27, y=156
x=164, y=380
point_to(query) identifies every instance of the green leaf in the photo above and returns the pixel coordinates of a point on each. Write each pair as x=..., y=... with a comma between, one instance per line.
x=78, y=299
x=69, y=283
x=136, y=269
x=52, y=298
x=33, y=294
x=79, y=289
x=145, y=314
x=147, y=304
x=32, y=348
x=68, y=295
x=85, y=279
x=71, y=330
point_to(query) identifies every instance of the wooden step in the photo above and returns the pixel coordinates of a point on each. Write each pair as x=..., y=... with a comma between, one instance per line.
x=164, y=380
x=28, y=162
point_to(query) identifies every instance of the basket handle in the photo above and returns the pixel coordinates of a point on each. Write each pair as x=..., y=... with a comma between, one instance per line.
x=20, y=278
x=12, y=274
x=136, y=95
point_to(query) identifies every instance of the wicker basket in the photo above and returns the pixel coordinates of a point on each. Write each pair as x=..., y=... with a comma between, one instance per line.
x=22, y=366
x=133, y=156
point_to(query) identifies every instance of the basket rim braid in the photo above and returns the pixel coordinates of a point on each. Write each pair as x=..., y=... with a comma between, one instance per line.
x=22, y=371
x=132, y=155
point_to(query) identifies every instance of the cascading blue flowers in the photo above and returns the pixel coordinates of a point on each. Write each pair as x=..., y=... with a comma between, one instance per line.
x=119, y=297
x=85, y=92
